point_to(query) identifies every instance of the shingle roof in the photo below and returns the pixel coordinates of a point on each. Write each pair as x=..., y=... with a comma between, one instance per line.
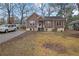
x=46, y=17
x=54, y=18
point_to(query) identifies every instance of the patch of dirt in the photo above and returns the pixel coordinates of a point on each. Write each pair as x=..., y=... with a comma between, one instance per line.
x=55, y=46
x=73, y=34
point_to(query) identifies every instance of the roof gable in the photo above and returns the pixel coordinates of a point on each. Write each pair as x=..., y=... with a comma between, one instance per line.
x=34, y=16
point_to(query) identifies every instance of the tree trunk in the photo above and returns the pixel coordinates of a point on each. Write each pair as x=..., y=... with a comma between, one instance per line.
x=9, y=17
x=21, y=19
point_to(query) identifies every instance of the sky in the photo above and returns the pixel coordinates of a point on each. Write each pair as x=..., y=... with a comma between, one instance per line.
x=75, y=11
x=36, y=5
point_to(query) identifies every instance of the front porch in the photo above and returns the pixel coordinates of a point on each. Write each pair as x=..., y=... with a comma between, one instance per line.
x=40, y=25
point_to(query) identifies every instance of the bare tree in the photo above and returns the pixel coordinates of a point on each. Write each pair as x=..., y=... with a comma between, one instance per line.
x=42, y=8
x=78, y=7
x=51, y=8
x=7, y=9
x=22, y=9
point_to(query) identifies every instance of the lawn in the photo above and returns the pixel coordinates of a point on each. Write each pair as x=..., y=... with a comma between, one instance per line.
x=41, y=43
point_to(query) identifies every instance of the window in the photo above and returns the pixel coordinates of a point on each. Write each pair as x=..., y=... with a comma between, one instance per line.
x=48, y=22
x=39, y=24
x=32, y=22
x=58, y=23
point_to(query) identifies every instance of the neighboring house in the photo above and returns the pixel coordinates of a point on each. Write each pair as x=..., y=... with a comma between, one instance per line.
x=40, y=23
x=74, y=25
x=2, y=21
x=14, y=20
x=11, y=20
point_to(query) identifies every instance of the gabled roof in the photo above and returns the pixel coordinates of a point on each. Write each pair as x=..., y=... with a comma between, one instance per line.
x=34, y=16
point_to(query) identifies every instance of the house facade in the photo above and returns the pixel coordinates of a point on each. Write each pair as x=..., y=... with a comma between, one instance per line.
x=39, y=23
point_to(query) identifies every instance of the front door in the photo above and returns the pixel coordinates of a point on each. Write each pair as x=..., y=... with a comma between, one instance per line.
x=40, y=26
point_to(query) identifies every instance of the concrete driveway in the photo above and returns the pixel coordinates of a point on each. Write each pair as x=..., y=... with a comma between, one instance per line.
x=7, y=36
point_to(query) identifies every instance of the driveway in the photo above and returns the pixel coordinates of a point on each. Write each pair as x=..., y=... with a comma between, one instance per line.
x=7, y=36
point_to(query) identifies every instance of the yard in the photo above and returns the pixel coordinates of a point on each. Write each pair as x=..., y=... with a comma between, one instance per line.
x=42, y=43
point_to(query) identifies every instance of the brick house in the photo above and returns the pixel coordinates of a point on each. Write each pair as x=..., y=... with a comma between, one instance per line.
x=11, y=20
x=40, y=23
